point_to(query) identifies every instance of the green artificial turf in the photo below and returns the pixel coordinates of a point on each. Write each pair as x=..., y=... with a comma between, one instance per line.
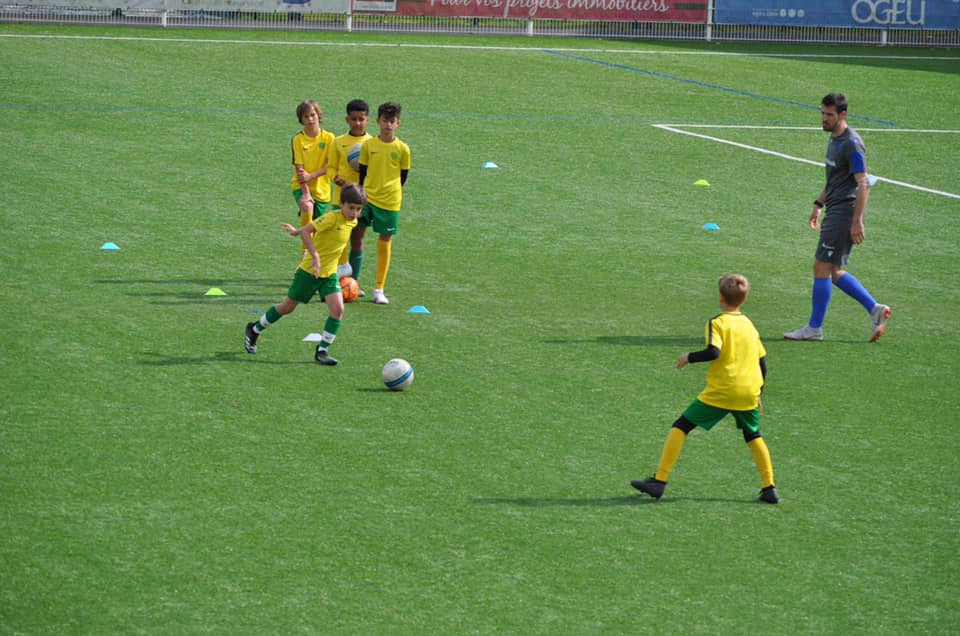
x=155, y=478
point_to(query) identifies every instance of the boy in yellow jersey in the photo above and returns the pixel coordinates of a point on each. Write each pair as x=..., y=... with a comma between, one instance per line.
x=384, y=165
x=324, y=239
x=311, y=155
x=345, y=159
x=734, y=383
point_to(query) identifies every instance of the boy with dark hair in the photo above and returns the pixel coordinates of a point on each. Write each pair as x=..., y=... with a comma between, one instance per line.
x=384, y=165
x=323, y=239
x=734, y=383
x=345, y=160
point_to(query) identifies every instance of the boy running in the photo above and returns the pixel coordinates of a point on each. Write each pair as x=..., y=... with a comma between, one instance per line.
x=324, y=239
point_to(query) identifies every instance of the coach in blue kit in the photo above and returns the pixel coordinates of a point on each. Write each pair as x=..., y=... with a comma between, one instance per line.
x=845, y=200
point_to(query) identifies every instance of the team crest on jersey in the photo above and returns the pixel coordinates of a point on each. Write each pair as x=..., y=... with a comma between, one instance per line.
x=394, y=156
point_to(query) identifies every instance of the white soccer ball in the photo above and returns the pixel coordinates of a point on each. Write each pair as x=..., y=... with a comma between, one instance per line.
x=397, y=374
x=353, y=156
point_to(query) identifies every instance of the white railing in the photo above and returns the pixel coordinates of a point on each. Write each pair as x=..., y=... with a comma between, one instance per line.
x=336, y=15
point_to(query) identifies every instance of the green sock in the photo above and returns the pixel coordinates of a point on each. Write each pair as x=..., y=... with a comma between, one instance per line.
x=272, y=315
x=356, y=263
x=330, y=329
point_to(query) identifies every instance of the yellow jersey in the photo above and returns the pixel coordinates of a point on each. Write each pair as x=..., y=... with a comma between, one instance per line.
x=344, y=147
x=734, y=379
x=331, y=234
x=312, y=153
x=384, y=162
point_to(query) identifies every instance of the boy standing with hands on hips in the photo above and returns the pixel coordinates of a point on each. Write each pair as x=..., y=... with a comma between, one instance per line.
x=384, y=166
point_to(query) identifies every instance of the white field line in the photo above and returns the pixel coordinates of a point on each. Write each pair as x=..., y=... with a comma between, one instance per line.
x=912, y=186
x=535, y=49
x=858, y=128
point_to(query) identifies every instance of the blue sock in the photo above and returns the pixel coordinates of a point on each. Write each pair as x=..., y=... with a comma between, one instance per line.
x=849, y=285
x=822, y=290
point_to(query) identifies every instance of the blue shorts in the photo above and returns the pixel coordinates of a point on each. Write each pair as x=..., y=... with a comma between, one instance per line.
x=835, y=243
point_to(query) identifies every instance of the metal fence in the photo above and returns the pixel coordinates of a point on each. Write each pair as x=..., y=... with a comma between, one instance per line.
x=97, y=14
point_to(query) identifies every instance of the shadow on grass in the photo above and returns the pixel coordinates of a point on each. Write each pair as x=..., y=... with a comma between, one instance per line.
x=160, y=360
x=627, y=500
x=776, y=343
x=205, y=300
x=166, y=296
x=634, y=341
x=200, y=282
x=693, y=343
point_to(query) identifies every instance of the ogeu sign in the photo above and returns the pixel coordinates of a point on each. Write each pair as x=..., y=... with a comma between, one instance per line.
x=894, y=14
x=889, y=12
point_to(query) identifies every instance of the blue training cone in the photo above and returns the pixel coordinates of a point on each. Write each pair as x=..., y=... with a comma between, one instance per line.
x=418, y=309
x=711, y=226
x=490, y=164
x=109, y=246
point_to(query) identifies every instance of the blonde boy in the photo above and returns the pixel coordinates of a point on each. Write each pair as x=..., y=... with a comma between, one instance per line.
x=734, y=382
x=311, y=155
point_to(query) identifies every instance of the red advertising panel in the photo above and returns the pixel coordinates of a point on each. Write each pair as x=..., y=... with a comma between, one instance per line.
x=600, y=10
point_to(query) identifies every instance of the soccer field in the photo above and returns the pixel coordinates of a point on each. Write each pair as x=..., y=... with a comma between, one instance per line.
x=155, y=478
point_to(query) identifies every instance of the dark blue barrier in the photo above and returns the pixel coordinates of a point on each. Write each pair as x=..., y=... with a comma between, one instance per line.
x=881, y=14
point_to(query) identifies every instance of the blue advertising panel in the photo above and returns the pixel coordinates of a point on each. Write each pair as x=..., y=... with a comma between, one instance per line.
x=881, y=14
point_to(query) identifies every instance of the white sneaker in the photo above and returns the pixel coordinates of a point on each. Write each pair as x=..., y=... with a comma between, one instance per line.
x=379, y=298
x=806, y=333
x=878, y=319
x=344, y=270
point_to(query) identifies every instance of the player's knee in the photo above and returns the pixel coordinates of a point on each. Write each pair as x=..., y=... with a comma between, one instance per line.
x=684, y=425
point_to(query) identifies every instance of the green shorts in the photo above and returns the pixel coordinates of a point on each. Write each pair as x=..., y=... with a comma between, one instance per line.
x=305, y=285
x=383, y=221
x=319, y=207
x=706, y=416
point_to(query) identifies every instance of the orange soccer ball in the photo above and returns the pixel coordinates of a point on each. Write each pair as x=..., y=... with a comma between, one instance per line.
x=350, y=289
